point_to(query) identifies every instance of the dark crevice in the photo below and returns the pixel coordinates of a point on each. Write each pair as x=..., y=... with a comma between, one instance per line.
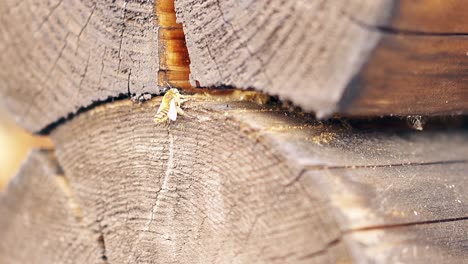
x=408, y=32
x=337, y=240
x=128, y=83
x=102, y=246
x=416, y=223
x=403, y=32
x=122, y=96
x=318, y=167
x=387, y=165
x=322, y=251
x=50, y=127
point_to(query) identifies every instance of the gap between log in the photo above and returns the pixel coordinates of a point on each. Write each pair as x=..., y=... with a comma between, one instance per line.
x=387, y=30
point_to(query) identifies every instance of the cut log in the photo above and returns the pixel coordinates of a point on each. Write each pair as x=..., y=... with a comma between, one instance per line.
x=236, y=182
x=58, y=56
x=359, y=57
x=40, y=221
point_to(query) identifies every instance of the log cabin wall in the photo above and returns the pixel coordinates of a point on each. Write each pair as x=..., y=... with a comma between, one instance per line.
x=241, y=177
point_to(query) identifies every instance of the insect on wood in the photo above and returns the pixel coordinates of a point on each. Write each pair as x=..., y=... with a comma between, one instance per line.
x=170, y=107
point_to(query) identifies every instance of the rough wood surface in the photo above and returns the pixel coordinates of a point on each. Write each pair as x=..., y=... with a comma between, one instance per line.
x=443, y=242
x=57, y=56
x=40, y=221
x=234, y=181
x=168, y=193
x=358, y=57
x=292, y=49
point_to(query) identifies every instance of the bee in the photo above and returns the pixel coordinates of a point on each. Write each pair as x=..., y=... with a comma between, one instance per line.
x=169, y=107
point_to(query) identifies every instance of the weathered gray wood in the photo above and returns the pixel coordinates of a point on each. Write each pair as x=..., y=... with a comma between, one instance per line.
x=304, y=51
x=198, y=191
x=40, y=221
x=360, y=57
x=395, y=194
x=57, y=56
x=234, y=181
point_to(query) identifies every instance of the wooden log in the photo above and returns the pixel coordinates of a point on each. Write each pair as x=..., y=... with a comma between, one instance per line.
x=357, y=57
x=59, y=56
x=235, y=181
x=40, y=221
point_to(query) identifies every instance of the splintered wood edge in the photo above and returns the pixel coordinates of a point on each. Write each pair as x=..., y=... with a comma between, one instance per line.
x=40, y=220
x=338, y=163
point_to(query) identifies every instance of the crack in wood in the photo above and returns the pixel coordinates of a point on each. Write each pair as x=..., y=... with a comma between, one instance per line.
x=243, y=43
x=50, y=127
x=122, y=33
x=416, y=223
x=64, y=184
x=376, y=227
x=84, y=27
x=48, y=75
x=102, y=246
x=164, y=185
x=318, y=167
x=322, y=251
x=388, y=30
x=48, y=16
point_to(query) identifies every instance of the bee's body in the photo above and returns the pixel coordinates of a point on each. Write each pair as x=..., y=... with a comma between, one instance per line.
x=170, y=107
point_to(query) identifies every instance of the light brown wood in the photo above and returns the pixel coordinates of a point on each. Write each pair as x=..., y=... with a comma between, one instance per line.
x=358, y=58
x=58, y=56
x=174, y=60
x=40, y=221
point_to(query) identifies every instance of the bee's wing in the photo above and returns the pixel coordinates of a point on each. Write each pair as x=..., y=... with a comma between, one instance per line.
x=160, y=108
x=172, y=110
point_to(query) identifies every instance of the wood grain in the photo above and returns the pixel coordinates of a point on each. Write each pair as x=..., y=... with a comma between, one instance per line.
x=57, y=56
x=168, y=193
x=431, y=16
x=411, y=75
x=443, y=242
x=235, y=181
x=292, y=49
x=40, y=222
x=356, y=58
